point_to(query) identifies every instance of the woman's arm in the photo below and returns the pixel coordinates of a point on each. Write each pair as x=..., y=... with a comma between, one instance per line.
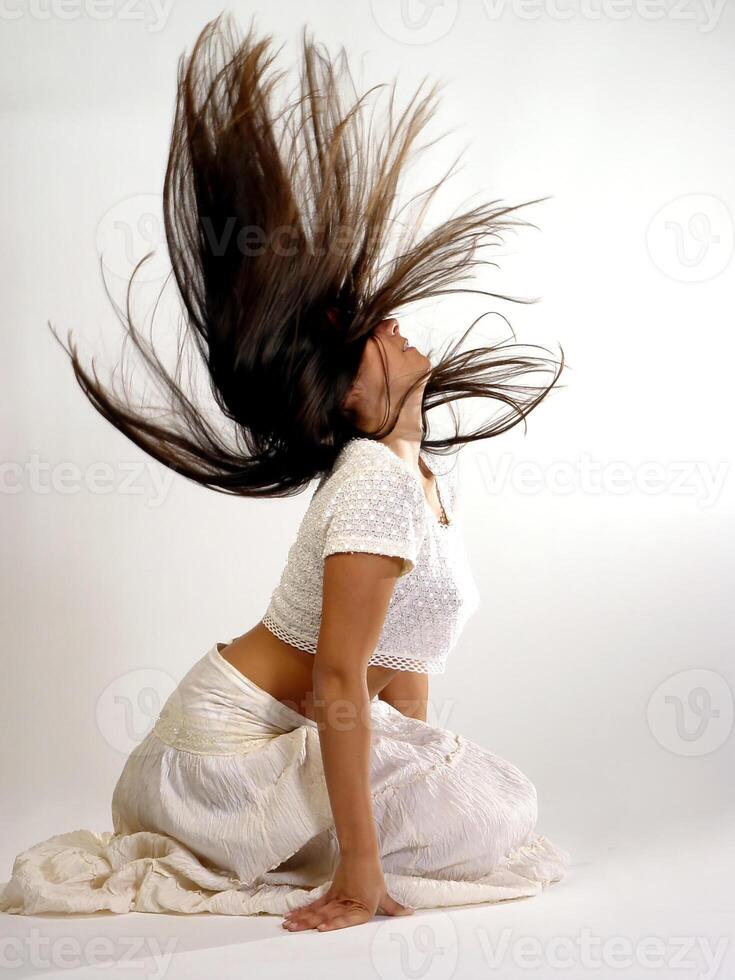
x=357, y=589
x=407, y=692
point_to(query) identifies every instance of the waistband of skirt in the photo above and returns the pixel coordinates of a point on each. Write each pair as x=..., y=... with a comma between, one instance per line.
x=275, y=709
x=216, y=710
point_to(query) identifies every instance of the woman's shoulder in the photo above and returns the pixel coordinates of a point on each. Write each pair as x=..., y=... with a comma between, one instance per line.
x=378, y=505
x=361, y=457
x=369, y=472
x=365, y=467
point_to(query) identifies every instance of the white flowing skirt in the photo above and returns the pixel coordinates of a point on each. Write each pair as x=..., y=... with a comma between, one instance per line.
x=223, y=808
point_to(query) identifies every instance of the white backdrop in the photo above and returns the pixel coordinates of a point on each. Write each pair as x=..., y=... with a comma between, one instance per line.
x=601, y=660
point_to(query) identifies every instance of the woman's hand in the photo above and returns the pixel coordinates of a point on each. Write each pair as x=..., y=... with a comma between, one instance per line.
x=356, y=894
x=356, y=593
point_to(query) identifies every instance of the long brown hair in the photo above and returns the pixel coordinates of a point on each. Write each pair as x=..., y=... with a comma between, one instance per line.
x=277, y=221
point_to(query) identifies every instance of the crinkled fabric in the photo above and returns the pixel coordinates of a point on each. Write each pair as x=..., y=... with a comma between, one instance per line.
x=223, y=808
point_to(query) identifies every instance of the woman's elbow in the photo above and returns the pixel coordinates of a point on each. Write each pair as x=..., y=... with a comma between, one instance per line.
x=337, y=675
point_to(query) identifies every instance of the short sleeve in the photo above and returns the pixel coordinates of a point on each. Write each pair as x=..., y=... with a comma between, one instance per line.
x=380, y=510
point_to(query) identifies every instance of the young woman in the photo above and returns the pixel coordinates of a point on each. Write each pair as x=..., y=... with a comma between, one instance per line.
x=294, y=769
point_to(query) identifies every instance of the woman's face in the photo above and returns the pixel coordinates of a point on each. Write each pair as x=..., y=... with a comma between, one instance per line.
x=403, y=364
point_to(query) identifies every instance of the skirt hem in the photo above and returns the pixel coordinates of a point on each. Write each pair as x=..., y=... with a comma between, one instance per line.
x=85, y=872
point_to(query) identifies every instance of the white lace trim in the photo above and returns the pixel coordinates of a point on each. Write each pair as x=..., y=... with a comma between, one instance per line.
x=407, y=663
x=180, y=731
x=290, y=638
x=379, y=658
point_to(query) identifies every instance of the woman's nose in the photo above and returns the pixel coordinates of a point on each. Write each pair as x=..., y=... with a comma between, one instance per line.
x=391, y=325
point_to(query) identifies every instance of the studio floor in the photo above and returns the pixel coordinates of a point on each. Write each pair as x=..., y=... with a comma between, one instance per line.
x=656, y=908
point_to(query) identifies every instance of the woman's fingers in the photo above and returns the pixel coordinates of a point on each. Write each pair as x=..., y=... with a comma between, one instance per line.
x=337, y=912
x=304, y=921
x=327, y=916
x=389, y=906
x=354, y=918
x=309, y=915
x=309, y=907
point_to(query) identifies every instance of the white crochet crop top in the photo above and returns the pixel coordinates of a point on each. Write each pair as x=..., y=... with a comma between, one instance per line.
x=372, y=501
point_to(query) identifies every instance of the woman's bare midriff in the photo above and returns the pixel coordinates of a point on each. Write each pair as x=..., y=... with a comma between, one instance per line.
x=284, y=671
